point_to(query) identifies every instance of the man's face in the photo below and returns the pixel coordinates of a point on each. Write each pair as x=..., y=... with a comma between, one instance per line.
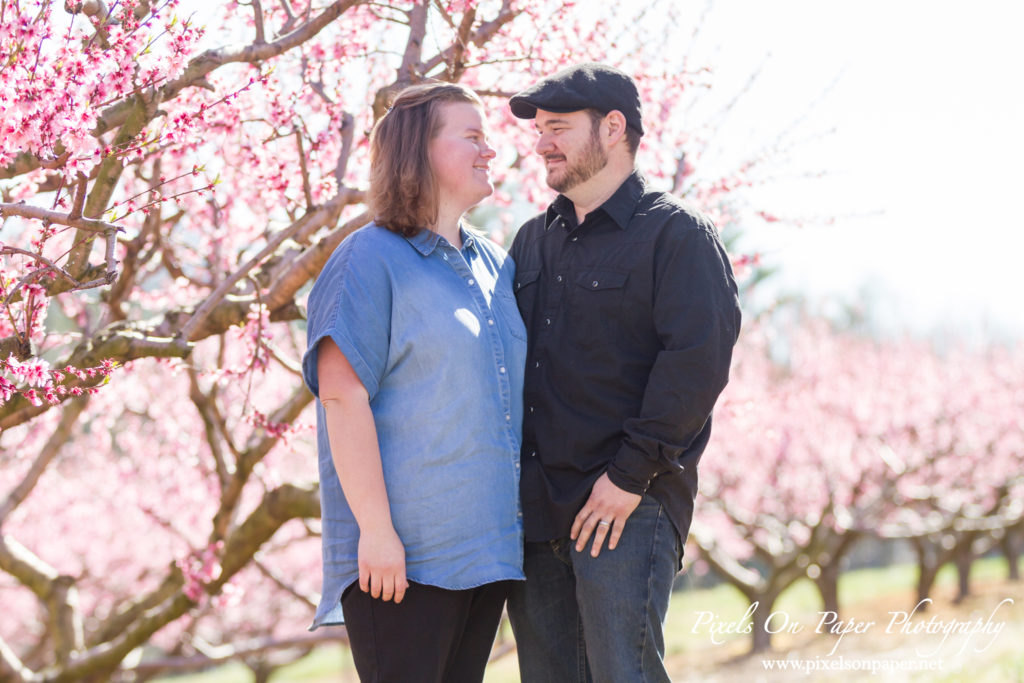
x=571, y=147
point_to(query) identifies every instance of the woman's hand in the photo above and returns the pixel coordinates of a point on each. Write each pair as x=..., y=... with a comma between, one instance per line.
x=382, y=564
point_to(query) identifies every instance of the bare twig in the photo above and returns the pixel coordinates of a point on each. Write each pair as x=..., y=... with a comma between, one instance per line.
x=224, y=287
x=483, y=33
x=213, y=426
x=280, y=582
x=307, y=191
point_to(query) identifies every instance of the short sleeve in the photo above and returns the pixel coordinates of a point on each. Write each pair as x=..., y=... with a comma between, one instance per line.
x=351, y=303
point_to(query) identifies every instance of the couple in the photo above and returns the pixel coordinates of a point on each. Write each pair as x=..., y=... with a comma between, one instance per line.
x=462, y=451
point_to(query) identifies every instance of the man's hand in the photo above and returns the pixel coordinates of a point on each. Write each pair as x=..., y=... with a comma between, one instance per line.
x=382, y=564
x=606, y=510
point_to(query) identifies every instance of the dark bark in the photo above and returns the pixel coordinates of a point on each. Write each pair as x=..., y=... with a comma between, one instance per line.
x=828, y=586
x=760, y=637
x=964, y=559
x=1010, y=546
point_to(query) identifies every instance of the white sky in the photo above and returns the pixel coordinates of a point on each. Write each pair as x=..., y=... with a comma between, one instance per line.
x=928, y=114
x=923, y=166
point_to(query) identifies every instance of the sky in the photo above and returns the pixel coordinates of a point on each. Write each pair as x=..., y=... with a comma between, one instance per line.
x=922, y=166
x=914, y=111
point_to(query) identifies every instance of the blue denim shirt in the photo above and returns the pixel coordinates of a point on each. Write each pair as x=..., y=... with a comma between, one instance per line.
x=434, y=334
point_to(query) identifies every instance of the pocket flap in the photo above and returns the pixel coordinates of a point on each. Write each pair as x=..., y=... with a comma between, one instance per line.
x=525, y=277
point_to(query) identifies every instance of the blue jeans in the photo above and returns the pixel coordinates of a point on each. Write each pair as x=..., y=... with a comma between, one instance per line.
x=577, y=618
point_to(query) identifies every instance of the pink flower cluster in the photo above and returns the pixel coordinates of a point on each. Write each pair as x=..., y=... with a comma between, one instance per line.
x=200, y=568
x=40, y=383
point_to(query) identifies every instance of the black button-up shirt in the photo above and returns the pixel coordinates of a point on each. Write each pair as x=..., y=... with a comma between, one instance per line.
x=631, y=319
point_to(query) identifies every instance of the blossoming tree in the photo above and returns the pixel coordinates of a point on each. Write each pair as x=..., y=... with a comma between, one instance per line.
x=172, y=180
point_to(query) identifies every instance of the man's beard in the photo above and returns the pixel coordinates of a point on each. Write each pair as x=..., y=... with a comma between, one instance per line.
x=592, y=161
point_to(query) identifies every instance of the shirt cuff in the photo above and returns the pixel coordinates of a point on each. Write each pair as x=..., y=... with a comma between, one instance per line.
x=632, y=470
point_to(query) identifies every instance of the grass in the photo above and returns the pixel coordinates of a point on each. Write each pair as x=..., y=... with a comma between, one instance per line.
x=871, y=591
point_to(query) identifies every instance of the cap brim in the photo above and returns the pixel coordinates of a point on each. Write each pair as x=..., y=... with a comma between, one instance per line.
x=526, y=109
x=521, y=108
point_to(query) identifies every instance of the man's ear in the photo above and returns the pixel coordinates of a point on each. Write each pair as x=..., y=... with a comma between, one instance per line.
x=615, y=126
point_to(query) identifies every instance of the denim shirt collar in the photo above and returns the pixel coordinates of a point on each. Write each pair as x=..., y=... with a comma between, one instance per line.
x=426, y=241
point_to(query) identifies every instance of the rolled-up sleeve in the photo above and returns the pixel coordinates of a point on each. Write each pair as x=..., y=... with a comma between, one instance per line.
x=697, y=319
x=351, y=304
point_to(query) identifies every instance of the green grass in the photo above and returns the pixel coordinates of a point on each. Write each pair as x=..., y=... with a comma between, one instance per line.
x=334, y=663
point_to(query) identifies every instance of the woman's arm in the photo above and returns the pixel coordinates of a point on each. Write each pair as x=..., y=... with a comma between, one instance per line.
x=356, y=455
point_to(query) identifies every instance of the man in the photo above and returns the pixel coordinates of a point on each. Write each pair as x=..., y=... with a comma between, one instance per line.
x=632, y=312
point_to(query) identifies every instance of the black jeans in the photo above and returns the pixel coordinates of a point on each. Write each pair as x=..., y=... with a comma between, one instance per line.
x=433, y=636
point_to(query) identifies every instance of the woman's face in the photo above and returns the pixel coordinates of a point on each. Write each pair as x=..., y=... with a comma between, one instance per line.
x=459, y=156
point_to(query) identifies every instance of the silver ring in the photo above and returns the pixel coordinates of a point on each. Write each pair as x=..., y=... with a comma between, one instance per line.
x=605, y=522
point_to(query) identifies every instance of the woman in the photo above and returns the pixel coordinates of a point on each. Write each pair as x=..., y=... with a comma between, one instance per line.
x=416, y=352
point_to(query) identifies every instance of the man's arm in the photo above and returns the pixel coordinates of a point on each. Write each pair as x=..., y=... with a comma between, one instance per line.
x=356, y=455
x=697, y=318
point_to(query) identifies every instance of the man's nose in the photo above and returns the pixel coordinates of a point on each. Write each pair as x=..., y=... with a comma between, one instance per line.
x=543, y=145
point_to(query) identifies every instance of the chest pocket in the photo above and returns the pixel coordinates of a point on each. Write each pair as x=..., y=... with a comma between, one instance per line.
x=525, y=289
x=524, y=278
x=596, y=306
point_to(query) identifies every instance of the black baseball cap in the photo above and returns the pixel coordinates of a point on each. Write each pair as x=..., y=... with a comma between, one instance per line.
x=584, y=86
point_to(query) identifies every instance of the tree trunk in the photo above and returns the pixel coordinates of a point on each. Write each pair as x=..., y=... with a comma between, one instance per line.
x=261, y=671
x=964, y=560
x=828, y=587
x=760, y=637
x=1010, y=546
x=927, y=570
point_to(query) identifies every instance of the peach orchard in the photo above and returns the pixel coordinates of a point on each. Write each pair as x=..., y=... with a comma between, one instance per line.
x=173, y=179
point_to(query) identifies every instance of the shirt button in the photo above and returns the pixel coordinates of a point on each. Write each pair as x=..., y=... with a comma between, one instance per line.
x=508, y=418
x=531, y=409
x=502, y=369
x=536, y=364
x=490, y=321
x=575, y=238
x=547, y=321
x=473, y=282
x=533, y=454
x=592, y=284
x=558, y=278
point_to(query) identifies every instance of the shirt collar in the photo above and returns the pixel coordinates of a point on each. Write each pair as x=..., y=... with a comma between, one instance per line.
x=426, y=241
x=619, y=207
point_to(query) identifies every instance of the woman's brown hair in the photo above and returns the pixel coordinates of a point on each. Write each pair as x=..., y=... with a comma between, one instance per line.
x=403, y=195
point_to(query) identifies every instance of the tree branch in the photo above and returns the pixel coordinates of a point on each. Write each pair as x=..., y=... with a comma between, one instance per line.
x=201, y=66
x=305, y=267
x=277, y=507
x=61, y=435
x=213, y=425
x=226, y=653
x=11, y=668
x=39, y=213
x=347, y=128
x=483, y=33
x=307, y=191
x=256, y=450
